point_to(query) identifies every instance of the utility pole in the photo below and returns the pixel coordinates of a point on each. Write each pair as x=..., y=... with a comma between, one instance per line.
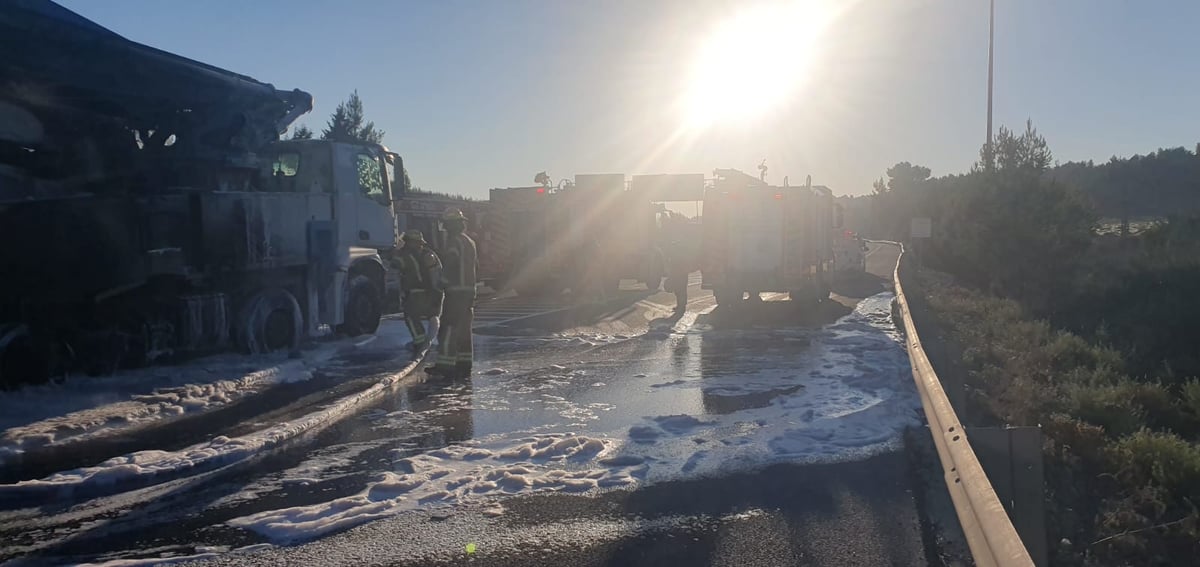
x=991, y=50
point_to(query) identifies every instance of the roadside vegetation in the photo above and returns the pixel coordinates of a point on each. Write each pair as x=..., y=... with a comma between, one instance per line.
x=1091, y=335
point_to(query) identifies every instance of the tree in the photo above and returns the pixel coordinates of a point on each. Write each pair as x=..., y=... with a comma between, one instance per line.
x=899, y=198
x=301, y=132
x=1028, y=153
x=348, y=123
x=880, y=186
x=906, y=177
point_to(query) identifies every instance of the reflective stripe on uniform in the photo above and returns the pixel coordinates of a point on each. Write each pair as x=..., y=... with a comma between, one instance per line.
x=416, y=329
x=446, y=348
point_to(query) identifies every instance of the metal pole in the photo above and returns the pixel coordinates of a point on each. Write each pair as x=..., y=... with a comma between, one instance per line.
x=991, y=50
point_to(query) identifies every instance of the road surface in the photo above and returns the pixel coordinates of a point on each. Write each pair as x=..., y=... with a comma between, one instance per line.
x=611, y=433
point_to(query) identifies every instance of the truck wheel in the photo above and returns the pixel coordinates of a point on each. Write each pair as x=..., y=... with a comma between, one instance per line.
x=270, y=321
x=363, y=307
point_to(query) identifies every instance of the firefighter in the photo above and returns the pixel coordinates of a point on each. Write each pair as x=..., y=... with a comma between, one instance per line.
x=458, y=280
x=420, y=280
x=678, y=260
x=677, y=272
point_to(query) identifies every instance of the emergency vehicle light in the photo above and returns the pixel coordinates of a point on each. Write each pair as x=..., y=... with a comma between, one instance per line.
x=541, y=190
x=779, y=195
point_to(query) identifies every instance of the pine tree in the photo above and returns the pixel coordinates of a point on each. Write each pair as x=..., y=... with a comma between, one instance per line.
x=347, y=124
x=301, y=132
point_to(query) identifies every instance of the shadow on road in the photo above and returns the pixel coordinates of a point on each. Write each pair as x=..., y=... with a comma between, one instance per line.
x=854, y=513
x=772, y=314
x=570, y=316
x=858, y=284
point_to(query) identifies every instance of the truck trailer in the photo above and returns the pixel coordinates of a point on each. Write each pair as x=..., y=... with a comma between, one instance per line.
x=149, y=209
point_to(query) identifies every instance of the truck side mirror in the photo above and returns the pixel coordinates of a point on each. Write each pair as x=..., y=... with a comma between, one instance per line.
x=400, y=183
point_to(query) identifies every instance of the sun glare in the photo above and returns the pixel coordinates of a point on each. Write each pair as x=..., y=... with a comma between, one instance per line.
x=753, y=61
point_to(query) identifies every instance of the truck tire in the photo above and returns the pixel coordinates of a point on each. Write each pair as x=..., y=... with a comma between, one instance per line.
x=270, y=321
x=364, y=305
x=814, y=294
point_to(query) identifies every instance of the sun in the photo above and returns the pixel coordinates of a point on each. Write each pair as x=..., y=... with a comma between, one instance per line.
x=753, y=61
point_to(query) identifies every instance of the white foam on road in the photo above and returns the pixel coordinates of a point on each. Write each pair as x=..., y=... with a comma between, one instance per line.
x=84, y=408
x=209, y=553
x=219, y=450
x=458, y=474
x=850, y=397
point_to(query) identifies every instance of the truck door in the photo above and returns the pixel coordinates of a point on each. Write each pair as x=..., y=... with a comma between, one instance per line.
x=364, y=207
x=755, y=233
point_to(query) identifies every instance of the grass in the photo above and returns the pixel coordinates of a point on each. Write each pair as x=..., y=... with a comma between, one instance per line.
x=1122, y=465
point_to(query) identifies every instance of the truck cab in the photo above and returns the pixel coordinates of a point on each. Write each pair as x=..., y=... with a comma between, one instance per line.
x=351, y=188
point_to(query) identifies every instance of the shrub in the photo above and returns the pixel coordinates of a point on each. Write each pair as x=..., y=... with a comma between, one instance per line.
x=1108, y=407
x=1126, y=407
x=1189, y=395
x=1161, y=459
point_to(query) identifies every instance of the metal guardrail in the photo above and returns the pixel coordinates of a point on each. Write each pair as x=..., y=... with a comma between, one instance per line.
x=990, y=533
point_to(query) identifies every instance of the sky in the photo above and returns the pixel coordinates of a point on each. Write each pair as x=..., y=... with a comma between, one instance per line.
x=480, y=94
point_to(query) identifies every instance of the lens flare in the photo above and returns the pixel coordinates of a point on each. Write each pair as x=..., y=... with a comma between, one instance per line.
x=752, y=61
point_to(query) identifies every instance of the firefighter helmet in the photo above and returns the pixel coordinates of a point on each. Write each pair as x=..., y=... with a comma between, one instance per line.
x=414, y=236
x=454, y=214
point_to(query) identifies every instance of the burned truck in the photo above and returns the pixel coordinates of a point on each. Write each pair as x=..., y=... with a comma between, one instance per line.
x=149, y=209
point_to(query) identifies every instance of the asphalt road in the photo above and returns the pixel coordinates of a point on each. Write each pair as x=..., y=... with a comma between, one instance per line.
x=603, y=369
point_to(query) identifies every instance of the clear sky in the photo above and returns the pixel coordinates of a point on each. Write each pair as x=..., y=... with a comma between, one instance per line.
x=479, y=94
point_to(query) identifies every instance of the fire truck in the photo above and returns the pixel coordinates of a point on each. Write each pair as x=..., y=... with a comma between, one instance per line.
x=589, y=233
x=763, y=238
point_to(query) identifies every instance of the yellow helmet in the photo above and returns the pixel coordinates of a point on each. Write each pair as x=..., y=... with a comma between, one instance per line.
x=453, y=214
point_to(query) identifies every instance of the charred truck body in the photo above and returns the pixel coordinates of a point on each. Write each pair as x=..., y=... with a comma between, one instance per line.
x=148, y=207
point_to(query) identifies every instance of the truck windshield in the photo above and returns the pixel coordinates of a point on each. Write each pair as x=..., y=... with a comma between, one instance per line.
x=370, y=177
x=286, y=164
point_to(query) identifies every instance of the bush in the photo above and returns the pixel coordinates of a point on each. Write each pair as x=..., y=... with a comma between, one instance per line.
x=1161, y=459
x=1189, y=395
x=1119, y=475
x=1126, y=407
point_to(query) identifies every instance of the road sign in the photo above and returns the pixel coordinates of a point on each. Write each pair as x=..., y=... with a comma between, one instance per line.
x=922, y=227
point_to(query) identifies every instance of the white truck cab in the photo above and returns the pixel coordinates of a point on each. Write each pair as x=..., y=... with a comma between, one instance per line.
x=349, y=188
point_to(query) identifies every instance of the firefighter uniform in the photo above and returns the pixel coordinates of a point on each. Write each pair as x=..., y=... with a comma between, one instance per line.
x=458, y=280
x=677, y=273
x=679, y=259
x=421, y=298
